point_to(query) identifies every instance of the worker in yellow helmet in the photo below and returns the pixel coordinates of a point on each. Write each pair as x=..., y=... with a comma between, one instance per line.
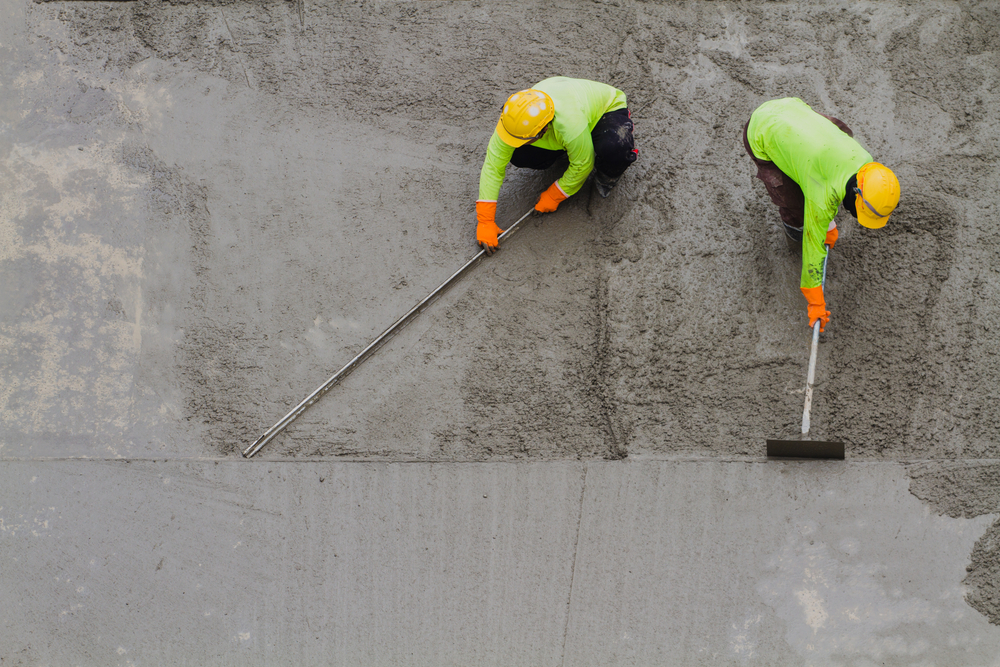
x=587, y=121
x=810, y=165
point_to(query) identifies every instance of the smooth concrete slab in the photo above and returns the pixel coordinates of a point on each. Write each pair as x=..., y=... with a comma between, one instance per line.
x=570, y=563
x=770, y=564
x=233, y=563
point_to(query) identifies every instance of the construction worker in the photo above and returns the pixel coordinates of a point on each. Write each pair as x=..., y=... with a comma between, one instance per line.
x=587, y=121
x=810, y=165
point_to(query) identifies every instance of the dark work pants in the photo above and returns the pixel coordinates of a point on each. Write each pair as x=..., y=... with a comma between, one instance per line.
x=614, y=147
x=785, y=192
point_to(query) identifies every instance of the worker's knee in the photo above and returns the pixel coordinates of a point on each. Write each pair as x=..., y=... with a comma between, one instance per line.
x=614, y=145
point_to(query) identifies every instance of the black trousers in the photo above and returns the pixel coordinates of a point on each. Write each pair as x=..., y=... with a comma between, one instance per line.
x=614, y=147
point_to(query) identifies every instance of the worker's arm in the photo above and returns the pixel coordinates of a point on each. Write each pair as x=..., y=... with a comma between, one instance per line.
x=498, y=156
x=814, y=235
x=494, y=169
x=581, y=161
x=580, y=152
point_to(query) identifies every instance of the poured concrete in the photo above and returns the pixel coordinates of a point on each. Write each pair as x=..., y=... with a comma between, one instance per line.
x=599, y=563
x=207, y=208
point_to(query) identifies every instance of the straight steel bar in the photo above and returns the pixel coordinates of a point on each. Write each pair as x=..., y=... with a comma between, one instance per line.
x=368, y=351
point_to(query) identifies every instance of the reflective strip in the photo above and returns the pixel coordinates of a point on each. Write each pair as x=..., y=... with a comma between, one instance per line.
x=871, y=208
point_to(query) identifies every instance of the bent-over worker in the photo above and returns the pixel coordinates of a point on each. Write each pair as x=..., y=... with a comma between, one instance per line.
x=810, y=165
x=587, y=121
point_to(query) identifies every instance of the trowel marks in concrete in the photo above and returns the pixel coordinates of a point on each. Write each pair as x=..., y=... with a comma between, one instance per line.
x=712, y=344
x=323, y=168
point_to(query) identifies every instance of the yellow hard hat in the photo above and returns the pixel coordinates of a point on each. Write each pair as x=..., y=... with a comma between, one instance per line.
x=524, y=115
x=877, y=195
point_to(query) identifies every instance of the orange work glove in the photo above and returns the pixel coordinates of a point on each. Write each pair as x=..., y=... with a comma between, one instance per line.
x=817, y=306
x=831, y=237
x=549, y=201
x=486, y=229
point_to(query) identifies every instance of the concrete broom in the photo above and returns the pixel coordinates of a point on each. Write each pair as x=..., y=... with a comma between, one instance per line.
x=804, y=448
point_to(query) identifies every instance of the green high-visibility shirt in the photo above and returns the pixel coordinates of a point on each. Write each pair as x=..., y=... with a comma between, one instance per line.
x=818, y=156
x=579, y=104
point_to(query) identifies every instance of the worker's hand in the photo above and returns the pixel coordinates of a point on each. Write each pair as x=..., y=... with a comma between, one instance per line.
x=817, y=307
x=549, y=201
x=486, y=227
x=818, y=313
x=831, y=237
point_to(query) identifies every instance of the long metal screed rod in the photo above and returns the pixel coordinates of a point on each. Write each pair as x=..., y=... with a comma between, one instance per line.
x=811, y=375
x=368, y=351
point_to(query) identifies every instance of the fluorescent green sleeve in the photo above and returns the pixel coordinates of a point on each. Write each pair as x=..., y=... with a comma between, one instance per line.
x=813, y=247
x=491, y=177
x=581, y=161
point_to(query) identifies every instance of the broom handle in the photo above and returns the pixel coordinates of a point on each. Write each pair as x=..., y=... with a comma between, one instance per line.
x=810, y=379
x=811, y=375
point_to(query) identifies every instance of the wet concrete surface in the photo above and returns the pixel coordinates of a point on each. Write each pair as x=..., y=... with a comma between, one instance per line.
x=208, y=208
x=534, y=563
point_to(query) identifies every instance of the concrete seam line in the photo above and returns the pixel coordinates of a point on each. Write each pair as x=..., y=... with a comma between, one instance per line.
x=239, y=57
x=576, y=551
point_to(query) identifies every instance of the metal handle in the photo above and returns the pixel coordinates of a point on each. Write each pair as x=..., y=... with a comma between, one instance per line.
x=810, y=379
x=811, y=374
x=368, y=351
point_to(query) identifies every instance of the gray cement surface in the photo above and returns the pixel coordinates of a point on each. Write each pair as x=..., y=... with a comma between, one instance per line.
x=574, y=563
x=206, y=208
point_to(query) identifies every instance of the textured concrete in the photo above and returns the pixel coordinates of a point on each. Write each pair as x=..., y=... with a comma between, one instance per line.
x=210, y=207
x=206, y=208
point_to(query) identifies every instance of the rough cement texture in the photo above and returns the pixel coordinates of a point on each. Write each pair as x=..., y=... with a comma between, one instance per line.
x=206, y=208
x=275, y=184
x=968, y=489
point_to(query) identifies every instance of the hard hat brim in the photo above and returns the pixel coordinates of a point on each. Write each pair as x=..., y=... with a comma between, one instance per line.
x=509, y=138
x=866, y=218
